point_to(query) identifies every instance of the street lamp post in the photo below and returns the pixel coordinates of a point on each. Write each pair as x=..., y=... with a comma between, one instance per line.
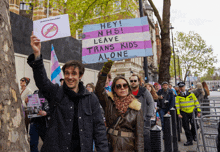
x=177, y=51
x=173, y=54
x=145, y=58
x=179, y=66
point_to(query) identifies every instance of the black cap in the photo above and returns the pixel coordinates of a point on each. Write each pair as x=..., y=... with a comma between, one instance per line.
x=164, y=83
x=181, y=84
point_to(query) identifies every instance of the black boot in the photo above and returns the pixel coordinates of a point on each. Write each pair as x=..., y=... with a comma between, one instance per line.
x=194, y=138
x=188, y=143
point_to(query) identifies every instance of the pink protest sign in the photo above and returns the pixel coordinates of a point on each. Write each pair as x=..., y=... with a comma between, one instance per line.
x=116, y=40
x=33, y=101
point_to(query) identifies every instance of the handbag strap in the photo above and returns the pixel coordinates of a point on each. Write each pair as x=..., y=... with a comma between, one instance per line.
x=115, y=123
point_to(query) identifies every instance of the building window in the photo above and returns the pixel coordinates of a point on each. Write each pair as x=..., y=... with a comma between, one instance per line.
x=121, y=75
x=11, y=1
x=25, y=6
x=17, y=2
x=117, y=5
x=26, y=10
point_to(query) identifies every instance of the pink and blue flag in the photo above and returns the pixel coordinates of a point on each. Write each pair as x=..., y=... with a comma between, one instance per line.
x=117, y=40
x=55, y=67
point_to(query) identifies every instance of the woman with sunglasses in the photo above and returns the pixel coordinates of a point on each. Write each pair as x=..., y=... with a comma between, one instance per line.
x=90, y=87
x=25, y=91
x=124, y=118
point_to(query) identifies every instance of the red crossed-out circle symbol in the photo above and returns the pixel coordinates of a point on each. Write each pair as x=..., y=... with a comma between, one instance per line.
x=49, y=30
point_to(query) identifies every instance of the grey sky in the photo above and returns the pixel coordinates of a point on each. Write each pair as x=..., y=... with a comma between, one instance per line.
x=200, y=16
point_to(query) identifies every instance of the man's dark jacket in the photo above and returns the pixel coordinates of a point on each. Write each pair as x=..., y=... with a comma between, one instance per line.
x=168, y=95
x=59, y=134
x=147, y=106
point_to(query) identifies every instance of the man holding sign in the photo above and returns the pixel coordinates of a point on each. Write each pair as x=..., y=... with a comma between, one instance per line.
x=76, y=118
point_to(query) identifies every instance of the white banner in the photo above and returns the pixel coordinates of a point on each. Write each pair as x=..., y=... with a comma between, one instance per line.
x=52, y=28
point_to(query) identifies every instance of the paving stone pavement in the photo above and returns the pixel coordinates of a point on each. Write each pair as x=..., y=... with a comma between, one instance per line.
x=181, y=147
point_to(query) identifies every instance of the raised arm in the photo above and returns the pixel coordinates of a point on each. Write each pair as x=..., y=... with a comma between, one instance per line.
x=36, y=62
x=100, y=86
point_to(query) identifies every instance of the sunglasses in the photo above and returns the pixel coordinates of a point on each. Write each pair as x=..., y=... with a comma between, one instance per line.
x=133, y=81
x=119, y=86
x=22, y=80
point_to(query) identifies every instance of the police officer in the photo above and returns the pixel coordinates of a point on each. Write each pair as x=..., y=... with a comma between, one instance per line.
x=185, y=104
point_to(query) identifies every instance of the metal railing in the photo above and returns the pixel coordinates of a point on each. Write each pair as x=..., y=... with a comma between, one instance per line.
x=207, y=125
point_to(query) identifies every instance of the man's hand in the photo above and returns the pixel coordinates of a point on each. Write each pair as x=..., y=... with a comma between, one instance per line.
x=199, y=114
x=36, y=45
x=180, y=116
x=42, y=113
x=160, y=97
x=168, y=112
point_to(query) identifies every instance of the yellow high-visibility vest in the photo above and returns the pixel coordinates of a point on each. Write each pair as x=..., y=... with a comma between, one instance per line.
x=187, y=104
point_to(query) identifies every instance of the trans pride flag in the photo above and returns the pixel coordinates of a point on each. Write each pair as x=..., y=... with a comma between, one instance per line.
x=55, y=67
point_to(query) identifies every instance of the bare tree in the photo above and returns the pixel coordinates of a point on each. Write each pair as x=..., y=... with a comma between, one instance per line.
x=13, y=136
x=164, y=24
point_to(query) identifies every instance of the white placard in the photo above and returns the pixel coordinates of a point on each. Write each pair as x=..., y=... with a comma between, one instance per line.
x=52, y=28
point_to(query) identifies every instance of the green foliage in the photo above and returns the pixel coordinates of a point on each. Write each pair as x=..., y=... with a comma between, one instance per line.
x=84, y=12
x=194, y=54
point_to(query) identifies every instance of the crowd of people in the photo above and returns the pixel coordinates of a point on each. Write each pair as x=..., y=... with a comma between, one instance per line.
x=112, y=115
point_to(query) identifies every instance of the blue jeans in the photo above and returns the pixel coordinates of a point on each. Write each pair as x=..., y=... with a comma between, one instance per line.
x=93, y=146
x=162, y=113
x=36, y=131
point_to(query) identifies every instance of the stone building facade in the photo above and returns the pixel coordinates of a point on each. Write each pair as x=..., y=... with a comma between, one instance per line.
x=14, y=6
x=34, y=13
x=127, y=67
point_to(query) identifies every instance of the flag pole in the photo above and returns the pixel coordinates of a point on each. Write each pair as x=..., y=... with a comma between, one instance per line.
x=47, y=8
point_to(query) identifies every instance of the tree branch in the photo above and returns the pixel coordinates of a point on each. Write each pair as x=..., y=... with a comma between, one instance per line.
x=186, y=72
x=156, y=13
x=89, y=7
